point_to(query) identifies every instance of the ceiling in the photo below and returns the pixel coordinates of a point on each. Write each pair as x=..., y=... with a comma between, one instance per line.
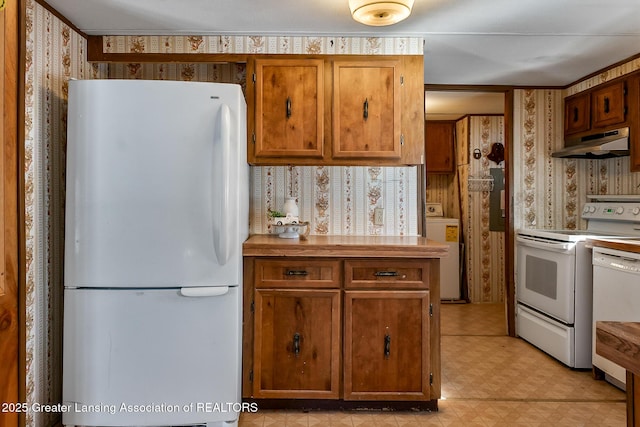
x=546, y=43
x=452, y=105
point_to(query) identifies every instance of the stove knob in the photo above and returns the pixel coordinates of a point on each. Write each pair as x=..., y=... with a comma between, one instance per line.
x=620, y=210
x=635, y=210
x=592, y=209
x=585, y=210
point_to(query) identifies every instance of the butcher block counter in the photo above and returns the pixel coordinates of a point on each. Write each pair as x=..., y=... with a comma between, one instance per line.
x=626, y=245
x=620, y=343
x=339, y=322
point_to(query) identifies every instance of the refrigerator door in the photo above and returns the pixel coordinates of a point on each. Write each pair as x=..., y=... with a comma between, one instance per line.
x=157, y=184
x=151, y=357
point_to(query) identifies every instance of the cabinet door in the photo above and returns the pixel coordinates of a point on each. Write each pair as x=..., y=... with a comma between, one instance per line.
x=386, y=345
x=634, y=123
x=439, y=146
x=297, y=344
x=608, y=105
x=366, y=109
x=289, y=111
x=577, y=113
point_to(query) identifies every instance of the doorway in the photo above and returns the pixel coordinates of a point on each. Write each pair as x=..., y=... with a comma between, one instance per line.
x=477, y=192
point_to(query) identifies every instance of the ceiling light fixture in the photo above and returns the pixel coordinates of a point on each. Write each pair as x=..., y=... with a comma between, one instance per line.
x=379, y=13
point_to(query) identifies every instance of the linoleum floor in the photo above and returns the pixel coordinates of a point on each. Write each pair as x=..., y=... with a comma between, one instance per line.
x=488, y=379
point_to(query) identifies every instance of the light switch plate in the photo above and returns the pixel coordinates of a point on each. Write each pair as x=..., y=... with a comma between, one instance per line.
x=378, y=216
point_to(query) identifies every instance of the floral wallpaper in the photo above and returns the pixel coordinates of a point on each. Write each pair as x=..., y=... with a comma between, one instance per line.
x=549, y=192
x=326, y=45
x=339, y=200
x=484, y=252
x=53, y=54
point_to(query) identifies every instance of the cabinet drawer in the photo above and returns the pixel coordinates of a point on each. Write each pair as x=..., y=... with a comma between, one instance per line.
x=288, y=273
x=385, y=273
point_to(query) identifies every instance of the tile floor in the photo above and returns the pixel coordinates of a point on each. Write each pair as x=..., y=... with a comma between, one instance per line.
x=488, y=379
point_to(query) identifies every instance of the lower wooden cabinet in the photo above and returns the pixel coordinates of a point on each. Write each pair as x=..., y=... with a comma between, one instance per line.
x=345, y=329
x=386, y=345
x=297, y=344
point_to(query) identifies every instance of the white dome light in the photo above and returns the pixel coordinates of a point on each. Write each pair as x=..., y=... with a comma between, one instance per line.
x=379, y=13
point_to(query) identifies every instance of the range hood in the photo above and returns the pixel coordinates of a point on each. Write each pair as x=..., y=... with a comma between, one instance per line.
x=612, y=143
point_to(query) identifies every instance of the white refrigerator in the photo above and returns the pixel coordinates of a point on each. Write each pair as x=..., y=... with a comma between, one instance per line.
x=157, y=203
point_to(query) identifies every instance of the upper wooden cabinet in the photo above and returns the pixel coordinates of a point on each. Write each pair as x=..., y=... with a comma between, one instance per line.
x=608, y=105
x=602, y=107
x=634, y=121
x=440, y=146
x=577, y=113
x=289, y=108
x=366, y=109
x=335, y=110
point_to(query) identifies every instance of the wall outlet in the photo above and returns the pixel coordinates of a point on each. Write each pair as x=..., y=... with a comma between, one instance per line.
x=378, y=216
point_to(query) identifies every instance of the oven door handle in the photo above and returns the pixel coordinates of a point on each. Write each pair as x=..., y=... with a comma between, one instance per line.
x=549, y=246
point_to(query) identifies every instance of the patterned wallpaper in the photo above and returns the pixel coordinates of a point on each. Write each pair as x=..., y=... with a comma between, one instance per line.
x=483, y=249
x=549, y=192
x=485, y=252
x=327, y=45
x=339, y=200
x=54, y=54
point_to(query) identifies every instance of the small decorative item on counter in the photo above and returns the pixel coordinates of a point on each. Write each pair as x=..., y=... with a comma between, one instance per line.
x=280, y=218
x=287, y=225
x=290, y=206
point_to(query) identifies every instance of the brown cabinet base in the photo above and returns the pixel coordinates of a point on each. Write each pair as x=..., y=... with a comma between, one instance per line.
x=343, y=405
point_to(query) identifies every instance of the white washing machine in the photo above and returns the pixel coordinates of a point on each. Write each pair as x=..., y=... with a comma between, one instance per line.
x=446, y=230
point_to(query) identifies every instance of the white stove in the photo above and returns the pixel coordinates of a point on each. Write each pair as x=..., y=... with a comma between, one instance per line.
x=554, y=289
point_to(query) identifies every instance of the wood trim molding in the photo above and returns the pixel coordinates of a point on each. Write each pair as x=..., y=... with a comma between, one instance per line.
x=12, y=357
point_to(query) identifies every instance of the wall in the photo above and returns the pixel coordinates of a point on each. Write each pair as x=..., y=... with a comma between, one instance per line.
x=484, y=249
x=54, y=53
x=549, y=192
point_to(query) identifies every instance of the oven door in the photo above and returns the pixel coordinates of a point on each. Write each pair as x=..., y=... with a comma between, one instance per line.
x=545, y=274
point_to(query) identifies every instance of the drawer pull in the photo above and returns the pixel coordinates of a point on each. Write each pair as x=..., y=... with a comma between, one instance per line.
x=288, y=107
x=296, y=273
x=386, y=274
x=296, y=344
x=387, y=346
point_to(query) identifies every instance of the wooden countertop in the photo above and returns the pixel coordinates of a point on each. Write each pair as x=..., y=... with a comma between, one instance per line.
x=627, y=245
x=620, y=343
x=345, y=246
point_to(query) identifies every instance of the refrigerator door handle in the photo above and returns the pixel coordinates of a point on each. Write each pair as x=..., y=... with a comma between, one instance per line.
x=222, y=216
x=209, y=291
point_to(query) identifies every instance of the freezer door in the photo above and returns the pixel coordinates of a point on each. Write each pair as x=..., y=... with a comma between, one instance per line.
x=157, y=184
x=151, y=357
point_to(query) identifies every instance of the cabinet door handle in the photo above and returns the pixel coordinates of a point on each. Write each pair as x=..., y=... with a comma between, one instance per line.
x=387, y=346
x=296, y=344
x=365, y=109
x=386, y=274
x=288, y=107
x=606, y=104
x=575, y=114
x=296, y=273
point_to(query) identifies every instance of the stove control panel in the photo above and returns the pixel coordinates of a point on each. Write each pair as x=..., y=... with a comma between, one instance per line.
x=618, y=211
